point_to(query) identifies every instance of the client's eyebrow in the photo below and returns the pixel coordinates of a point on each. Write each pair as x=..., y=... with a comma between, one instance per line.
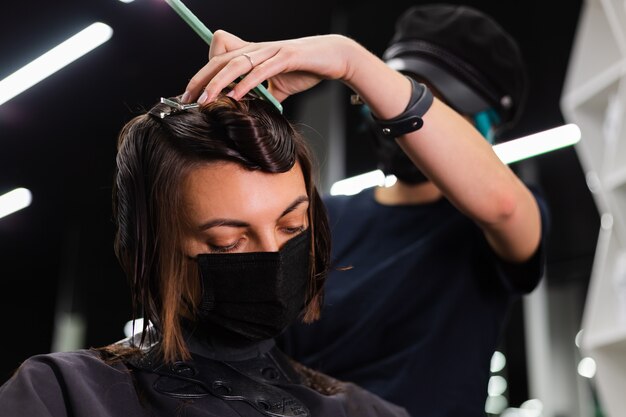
x=294, y=205
x=240, y=224
x=223, y=222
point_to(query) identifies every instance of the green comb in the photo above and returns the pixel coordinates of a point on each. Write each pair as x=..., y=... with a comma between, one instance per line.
x=207, y=36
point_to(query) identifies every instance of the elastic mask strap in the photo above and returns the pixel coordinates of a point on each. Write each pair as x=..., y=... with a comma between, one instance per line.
x=485, y=121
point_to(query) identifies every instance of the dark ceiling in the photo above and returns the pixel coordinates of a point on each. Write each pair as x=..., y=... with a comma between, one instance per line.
x=58, y=138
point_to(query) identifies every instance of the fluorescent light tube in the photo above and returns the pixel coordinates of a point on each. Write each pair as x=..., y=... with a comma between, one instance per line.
x=508, y=152
x=358, y=183
x=14, y=200
x=53, y=60
x=537, y=143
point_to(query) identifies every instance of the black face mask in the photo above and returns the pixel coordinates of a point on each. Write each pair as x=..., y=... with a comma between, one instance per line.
x=393, y=161
x=391, y=158
x=256, y=294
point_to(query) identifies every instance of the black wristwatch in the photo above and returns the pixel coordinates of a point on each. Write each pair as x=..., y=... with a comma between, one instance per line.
x=411, y=119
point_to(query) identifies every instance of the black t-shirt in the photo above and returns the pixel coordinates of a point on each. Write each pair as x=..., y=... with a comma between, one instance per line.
x=417, y=316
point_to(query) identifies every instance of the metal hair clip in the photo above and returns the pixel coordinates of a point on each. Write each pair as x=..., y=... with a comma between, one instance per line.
x=175, y=107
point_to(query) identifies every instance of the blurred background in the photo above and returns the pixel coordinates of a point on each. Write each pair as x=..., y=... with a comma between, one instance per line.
x=60, y=285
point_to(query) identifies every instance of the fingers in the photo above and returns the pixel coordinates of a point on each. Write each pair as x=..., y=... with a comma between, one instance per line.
x=257, y=75
x=252, y=61
x=234, y=67
x=196, y=84
x=290, y=66
x=222, y=43
x=225, y=42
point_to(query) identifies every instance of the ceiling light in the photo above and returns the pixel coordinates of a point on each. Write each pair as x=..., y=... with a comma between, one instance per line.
x=498, y=362
x=14, y=200
x=53, y=60
x=497, y=386
x=133, y=327
x=496, y=405
x=587, y=367
x=578, y=338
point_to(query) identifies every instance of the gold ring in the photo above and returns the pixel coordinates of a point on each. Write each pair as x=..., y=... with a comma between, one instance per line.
x=249, y=59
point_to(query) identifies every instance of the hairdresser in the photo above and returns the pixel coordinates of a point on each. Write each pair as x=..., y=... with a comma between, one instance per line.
x=434, y=261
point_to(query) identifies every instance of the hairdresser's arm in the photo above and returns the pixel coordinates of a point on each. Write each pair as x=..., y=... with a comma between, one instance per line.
x=447, y=148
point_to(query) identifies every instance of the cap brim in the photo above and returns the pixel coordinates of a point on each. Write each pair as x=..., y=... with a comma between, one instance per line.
x=456, y=93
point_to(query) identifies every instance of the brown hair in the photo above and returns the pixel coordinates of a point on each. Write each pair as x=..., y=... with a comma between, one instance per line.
x=154, y=156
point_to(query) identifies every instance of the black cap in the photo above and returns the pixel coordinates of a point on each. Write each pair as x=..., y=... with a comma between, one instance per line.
x=465, y=55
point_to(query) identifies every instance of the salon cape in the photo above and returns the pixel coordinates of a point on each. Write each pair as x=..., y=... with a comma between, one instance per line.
x=80, y=384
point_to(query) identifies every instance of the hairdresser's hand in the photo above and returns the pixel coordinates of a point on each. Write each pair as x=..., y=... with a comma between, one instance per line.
x=290, y=66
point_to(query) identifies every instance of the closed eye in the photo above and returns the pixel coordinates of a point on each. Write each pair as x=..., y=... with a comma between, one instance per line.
x=294, y=230
x=225, y=249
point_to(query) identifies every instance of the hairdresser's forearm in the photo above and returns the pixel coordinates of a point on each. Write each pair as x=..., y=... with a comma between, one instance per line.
x=453, y=154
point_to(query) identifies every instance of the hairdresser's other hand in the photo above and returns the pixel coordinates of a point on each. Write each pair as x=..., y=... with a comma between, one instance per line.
x=290, y=66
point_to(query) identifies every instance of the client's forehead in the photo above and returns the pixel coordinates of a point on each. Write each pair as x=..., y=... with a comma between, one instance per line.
x=228, y=190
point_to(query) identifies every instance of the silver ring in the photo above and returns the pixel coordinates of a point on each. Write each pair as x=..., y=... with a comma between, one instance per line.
x=249, y=59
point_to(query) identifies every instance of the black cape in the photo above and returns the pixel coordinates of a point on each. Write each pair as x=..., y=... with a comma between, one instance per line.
x=81, y=384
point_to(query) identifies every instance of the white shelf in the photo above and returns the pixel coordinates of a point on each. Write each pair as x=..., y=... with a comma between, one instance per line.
x=616, y=179
x=589, y=88
x=615, y=11
x=596, y=49
x=615, y=338
x=594, y=97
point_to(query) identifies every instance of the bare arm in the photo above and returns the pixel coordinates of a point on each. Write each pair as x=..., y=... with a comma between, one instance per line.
x=447, y=148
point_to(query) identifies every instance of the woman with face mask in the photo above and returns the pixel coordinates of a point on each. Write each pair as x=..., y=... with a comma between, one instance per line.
x=223, y=236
